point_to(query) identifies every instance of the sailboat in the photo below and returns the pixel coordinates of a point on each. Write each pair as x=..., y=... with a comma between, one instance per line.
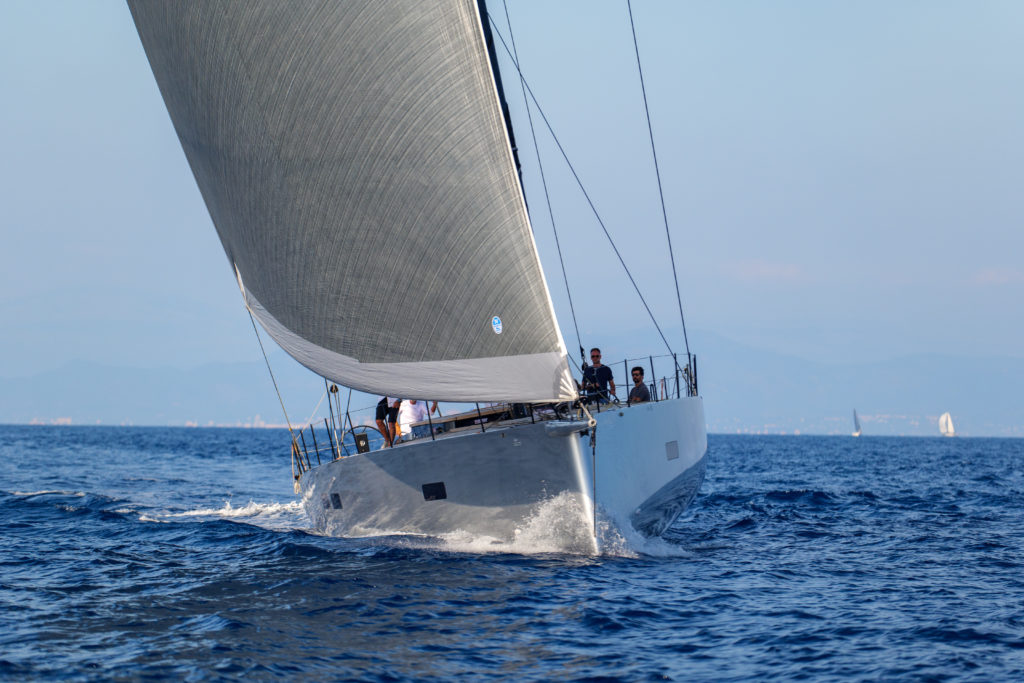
x=355, y=156
x=946, y=425
x=856, y=424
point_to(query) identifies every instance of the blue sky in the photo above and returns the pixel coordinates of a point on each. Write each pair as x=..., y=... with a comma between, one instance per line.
x=842, y=180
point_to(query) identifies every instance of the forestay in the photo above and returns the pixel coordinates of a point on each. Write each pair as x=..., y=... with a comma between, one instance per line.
x=355, y=162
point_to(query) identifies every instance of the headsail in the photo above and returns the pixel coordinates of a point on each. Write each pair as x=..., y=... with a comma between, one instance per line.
x=355, y=162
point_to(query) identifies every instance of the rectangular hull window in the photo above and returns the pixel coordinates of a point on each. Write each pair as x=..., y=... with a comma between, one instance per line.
x=434, y=491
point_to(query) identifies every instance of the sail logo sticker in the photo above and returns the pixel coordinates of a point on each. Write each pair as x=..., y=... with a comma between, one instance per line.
x=496, y=324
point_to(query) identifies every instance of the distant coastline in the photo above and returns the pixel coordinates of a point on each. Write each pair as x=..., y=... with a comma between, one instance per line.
x=283, y=427
x=746, y=391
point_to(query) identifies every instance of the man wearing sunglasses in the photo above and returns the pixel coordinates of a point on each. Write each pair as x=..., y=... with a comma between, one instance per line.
x=597, y=379
x=639, y=393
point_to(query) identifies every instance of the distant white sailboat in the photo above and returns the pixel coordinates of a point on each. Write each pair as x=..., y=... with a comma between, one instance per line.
x=856, y=424
x=946, y=425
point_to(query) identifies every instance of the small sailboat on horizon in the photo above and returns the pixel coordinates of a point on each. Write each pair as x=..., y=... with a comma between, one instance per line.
x=856, y=424
x=946, y=425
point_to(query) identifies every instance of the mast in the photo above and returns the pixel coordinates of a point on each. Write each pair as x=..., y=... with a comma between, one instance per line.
x=492, y=55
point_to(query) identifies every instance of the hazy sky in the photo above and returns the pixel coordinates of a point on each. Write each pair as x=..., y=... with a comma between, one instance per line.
x=841, y=179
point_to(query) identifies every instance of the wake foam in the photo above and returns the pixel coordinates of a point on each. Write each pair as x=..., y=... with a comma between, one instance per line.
x=151, y=520
x=54, y=492
x=622, y=540
x=558, y=525
x=274, y=516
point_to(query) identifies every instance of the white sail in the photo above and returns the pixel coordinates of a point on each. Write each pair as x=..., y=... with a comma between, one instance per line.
x=356, y=164
x=946, y=425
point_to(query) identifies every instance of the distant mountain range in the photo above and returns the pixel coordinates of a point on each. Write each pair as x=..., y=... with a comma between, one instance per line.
x=745, y=390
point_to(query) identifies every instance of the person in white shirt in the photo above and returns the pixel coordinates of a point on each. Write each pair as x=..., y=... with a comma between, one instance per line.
x=413, y=410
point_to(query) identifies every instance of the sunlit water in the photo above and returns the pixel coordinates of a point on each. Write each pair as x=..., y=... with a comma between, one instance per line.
x=182, y=553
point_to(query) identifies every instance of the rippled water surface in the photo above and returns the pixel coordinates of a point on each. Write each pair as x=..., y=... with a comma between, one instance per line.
x=181, y=553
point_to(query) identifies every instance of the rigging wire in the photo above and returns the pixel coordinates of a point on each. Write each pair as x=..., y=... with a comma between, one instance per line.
x=337, y=404
x=326, y=393
x=348, y=404
x=543, y=179
x=579, y=182
x=330, y=405
x=267, y=361
x=657, y=173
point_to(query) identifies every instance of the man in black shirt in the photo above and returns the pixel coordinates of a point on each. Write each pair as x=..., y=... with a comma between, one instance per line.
x=597, y=378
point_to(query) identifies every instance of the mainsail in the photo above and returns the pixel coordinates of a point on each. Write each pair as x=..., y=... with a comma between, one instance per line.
x=356, y=164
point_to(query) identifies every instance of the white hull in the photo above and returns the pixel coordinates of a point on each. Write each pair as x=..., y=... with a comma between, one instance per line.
x=641, y=471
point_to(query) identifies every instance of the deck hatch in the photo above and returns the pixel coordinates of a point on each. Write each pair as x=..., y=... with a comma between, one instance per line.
x=336, y=501
x=434, y=491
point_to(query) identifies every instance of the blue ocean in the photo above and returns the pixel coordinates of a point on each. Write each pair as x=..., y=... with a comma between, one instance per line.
x=151, y=553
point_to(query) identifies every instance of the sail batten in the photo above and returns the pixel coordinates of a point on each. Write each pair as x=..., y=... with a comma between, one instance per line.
x=355, y=162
